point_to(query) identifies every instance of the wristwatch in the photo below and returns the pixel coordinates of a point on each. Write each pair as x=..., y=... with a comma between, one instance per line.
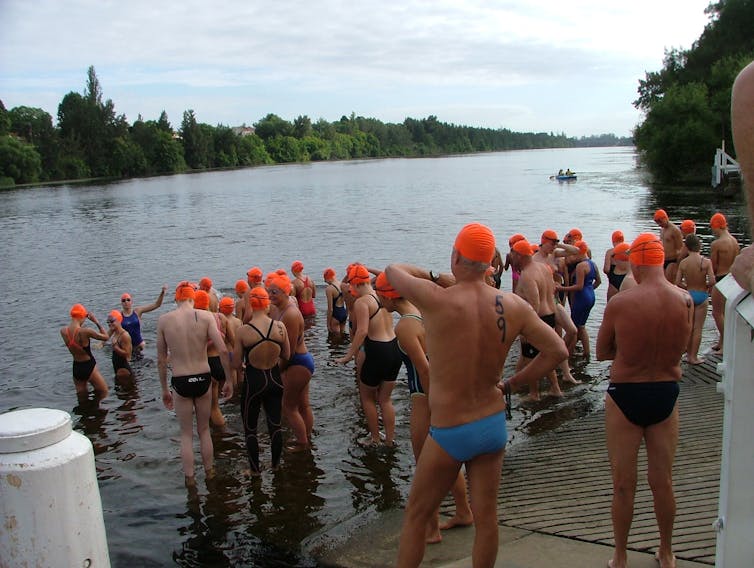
x=433, y=277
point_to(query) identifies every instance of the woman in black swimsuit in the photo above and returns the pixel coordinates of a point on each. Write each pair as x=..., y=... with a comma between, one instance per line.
x=263, y=342
x=76, y=338
x=337, y=313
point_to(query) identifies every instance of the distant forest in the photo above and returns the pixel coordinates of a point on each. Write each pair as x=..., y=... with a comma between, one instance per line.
x=91, y=141
x=687, y=103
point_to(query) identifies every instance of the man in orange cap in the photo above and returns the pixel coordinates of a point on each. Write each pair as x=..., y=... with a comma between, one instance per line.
x=227, y=305
x=723, y=253
x=537, y=287
x=214, y=301
x=468, y=348
x=672, y=242
x=644, y=331
x=184, y=334
x=742, y=120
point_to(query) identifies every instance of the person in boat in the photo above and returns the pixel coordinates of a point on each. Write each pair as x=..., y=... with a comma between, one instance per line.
x=644, y=331
x=77, y=339
x=569, y=172
x=560, y=172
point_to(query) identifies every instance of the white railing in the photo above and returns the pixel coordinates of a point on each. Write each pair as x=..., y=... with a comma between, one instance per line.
x=724, y=164
x=735, y=521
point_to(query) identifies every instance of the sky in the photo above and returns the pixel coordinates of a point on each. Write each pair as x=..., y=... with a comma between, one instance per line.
x=569, y=66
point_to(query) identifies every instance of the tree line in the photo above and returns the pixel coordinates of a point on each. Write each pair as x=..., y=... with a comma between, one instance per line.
x=90, y=140
x=687, y=103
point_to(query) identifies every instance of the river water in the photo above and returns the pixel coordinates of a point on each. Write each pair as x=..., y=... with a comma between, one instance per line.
x=91, y=243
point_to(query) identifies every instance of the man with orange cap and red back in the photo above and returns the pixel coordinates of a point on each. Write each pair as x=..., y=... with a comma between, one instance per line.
x=184, y=333
x=723, y=253
x=470, y=328
x=536, y=286
x=672, y=242
x=644, y=331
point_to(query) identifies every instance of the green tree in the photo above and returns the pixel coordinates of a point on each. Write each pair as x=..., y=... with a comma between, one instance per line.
x=19, y=161
x=252, y=152
x=272, y=126
x=195, y=143
x=4, y=120
x=34, y=125
x=285, y=149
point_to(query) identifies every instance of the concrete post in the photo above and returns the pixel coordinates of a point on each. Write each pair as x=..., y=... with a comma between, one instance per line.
x=735, y=522
x=50, y=506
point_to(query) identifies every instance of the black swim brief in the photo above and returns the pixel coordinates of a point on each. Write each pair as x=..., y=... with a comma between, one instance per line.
x=645, y=404
x=82, y=370
x=527, y=349
x=668, y=262
x=191, y=386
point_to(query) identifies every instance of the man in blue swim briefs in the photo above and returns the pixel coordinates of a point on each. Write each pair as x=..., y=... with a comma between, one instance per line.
x=184, y=333
x=469, y=328
x=645, y=330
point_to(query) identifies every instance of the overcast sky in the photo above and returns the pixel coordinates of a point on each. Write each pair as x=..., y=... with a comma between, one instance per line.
x=529, y=65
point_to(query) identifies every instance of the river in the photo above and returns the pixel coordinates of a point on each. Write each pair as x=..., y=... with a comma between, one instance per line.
x=91, y=243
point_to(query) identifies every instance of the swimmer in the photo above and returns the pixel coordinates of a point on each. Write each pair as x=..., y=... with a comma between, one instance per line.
x=413, y=350
x=303, y=289
x=696, y=276
x=77, y=339
x=337, y=313
x=382, y=360
x=468, y=349
x=132, y=317
x=260, y=344
x=205, y=284
x=584, y=279
x=644, y=331
x=608, y=266
x=227, y=305
x=241, y=288
x=688, y=227
x=498, y=267
x=299, y=368
x=672, y=242
x=723, y=253
x=537, y=287
x=515, y=274
x=121, y=344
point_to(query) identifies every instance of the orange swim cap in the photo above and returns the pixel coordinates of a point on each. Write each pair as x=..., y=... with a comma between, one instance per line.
x=201, y=300
x=617, y=237
x=688, y=227
x=281, y=272
x=359, y=275
x=515, y=238
x=185, y=291
x=279, y=281
x=78, y=311
x=476, y=242
x=259, y=299
x=620, y=252
x=575, y=234
x=226, y=305
x=125, y=296
x=254, y=274
x=383, y=287
x=647, y=250
x=718, y=221
x=114, y=315
x=297, y=266
x=549, y=235
x=523, y=248
x=241, y=287
x=205, y=283
x=582, y=246
x=660, y=214
x=328, y=274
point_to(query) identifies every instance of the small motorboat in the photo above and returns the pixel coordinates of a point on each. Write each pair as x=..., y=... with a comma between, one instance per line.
x=566, y=177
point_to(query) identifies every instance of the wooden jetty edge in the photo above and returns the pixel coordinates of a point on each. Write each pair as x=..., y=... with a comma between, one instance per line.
x=558, y=483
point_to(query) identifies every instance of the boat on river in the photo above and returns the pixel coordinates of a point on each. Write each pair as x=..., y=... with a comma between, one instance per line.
x=566, y=177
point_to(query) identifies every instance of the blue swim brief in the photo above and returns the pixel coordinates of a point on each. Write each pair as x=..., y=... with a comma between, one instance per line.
x=302, y=359
x=466, y=441
x=698, y=296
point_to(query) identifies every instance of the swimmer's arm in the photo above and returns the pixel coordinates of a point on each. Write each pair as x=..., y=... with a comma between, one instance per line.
x=413, y=348
x=237, y=363
x=162, y=365
x=154, y=305
x=606, y=347
x=680, y=274
x=285, y=350
x=715, y=256
x=711, y=280
x=597, y=279
x=230, y=334
x=608, y=261
x=217, y=339
x=579, y=285
x=329, y=293
x=415, y=283
x=552, y=349
x=361, y=311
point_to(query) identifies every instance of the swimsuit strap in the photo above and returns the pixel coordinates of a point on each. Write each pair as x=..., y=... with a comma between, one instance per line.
x=413, y=316
x=379, y=306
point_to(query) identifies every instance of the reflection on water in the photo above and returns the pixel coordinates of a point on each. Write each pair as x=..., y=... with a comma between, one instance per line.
x=94, y=242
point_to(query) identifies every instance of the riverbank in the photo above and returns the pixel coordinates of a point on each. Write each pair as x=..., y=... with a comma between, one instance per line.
x=554, y=498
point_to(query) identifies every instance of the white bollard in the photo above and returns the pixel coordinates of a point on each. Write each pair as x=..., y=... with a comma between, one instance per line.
x=50, y=506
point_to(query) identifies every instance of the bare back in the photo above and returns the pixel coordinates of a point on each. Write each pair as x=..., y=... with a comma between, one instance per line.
x=184, y=333
x=537, y=287
x=724, y=251
x=672, y=241
x=645, y=330
x=696, y=271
